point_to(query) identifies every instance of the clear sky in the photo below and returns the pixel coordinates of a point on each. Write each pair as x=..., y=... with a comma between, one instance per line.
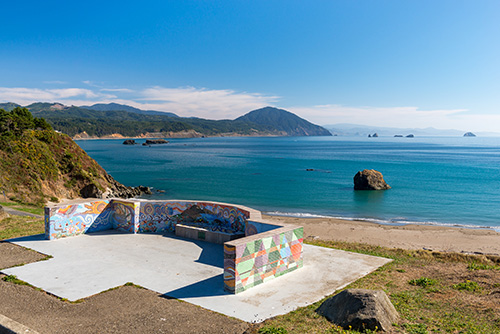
x=403, y=63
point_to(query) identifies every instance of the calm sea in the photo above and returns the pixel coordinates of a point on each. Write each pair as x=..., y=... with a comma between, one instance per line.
x=446, y=181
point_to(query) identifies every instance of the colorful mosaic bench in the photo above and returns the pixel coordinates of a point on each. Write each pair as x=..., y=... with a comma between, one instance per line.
x=261, y=251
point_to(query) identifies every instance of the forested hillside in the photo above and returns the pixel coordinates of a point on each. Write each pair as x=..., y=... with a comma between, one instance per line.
x=104, y=120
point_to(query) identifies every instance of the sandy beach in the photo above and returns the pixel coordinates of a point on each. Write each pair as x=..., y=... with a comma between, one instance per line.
x=436, y=238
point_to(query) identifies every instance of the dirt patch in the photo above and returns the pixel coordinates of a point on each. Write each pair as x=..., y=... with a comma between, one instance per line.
x=127, y=309
x=14, y=255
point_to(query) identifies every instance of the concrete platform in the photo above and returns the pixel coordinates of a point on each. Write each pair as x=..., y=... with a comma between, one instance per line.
x=184, y=269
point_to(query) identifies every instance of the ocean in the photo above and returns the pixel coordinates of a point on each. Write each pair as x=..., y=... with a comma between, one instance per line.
x=452, y=181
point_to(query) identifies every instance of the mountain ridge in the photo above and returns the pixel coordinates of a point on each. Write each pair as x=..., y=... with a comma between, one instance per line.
x=74, y=120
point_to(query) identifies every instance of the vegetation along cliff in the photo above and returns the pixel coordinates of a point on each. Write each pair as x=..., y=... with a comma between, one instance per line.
x=37, y=164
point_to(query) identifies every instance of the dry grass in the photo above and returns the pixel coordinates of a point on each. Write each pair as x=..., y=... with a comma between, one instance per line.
x=461, y=293
x=17, y=226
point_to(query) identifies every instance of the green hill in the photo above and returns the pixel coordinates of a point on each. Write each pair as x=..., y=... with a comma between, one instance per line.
x=274, y=119
x=38, y=164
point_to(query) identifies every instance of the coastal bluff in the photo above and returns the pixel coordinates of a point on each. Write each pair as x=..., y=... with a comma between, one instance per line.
x=38, y=164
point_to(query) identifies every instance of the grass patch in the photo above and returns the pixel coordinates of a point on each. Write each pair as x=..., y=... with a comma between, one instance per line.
x=14, y=280
x=482, y=266
x=436, y=307
x=423, y=282
x=470, y=286
x=20, y=226
x=24, y=207
x=272, y=330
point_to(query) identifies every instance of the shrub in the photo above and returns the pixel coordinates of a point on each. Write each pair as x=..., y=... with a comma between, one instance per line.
x=423, y=282
x=273, y=330
x=467, y=286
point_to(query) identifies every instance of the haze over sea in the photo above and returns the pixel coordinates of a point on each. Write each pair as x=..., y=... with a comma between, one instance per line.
x=435, y=180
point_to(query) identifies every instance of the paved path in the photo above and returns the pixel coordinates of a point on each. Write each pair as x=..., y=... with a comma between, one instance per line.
x=15, y=212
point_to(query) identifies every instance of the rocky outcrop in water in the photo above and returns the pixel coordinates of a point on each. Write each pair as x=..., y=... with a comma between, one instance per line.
x=129, y=142
x=370, y=179
x=155, y=141
x=469, y=134
x=116, y=190
x=360, y=310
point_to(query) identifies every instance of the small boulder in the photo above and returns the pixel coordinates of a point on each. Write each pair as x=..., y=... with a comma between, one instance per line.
x=3, y=214
x=360, y=309
x=145, y=190
x=90, y=191
x=129, y=142
x=370, y=179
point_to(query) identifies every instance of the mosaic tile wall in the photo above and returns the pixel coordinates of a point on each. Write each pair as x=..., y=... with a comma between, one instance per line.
x=267, y=251
x=252, y=261
x=125, y=216
x=75, y=219
x=164, y=216
x=257, y=227
x=141, y=217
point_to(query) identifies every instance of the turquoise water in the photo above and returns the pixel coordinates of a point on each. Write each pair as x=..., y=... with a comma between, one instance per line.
x=449, y=181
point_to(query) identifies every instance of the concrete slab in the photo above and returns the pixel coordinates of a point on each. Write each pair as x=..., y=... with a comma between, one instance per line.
x=188, y=270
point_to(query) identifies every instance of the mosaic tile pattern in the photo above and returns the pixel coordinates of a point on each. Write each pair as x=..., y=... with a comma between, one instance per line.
x=267, y=251
x=141, y=217
x=75, y=219
x=164, y=216
x=258, y=227
x=124, y=216
x=248, y=263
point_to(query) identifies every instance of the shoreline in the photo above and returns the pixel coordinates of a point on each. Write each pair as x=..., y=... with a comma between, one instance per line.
x=480, y=241
x=456, y=239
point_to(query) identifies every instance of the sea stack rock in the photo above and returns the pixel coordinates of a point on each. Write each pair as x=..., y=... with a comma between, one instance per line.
x=156, y=141
x=370, y=179
x=129, y=142
x=360, y=309
x=469, y=134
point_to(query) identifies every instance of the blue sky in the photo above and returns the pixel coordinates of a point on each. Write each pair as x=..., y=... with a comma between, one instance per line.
x=393, y=63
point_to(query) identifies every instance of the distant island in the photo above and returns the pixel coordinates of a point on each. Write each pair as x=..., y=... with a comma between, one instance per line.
x=469, y=134
x=118, y=121
x=359, y=130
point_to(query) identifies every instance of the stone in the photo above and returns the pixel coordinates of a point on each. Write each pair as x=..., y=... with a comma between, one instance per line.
x=155, y=141
x=410, y=136
x=129, y=142
x=360, y=309
x=90, y=191
x=145, y=190
x=3, y=214
x=370, y=179
x=469, y=134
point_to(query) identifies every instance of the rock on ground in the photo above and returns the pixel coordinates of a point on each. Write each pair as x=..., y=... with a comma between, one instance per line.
x=3, y=214
x=370, y=179
x=360, y=309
